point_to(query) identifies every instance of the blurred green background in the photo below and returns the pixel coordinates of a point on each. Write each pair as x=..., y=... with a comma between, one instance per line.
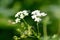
x=8, y=8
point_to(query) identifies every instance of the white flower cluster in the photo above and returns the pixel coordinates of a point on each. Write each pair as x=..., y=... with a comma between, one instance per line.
x=20, y=15
x=36, y=15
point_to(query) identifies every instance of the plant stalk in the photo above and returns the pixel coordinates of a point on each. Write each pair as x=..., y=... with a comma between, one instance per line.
x=45, y=31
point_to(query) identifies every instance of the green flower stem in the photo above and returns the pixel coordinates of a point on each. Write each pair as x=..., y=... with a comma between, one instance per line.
x=45, y=31
x=37, y=28
x=26, y=23
x=58, y=29
x=45, y=22
x=35, y=34
x=38, y=34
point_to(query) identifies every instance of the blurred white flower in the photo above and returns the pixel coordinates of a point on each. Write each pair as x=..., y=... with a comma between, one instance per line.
x=17, y=15
x=21, y=16
x=38, y=19
x=25, y=12
x=43, y=14
x=35, y=12
x=17, y=20
x=33, y=17
x=36, y=15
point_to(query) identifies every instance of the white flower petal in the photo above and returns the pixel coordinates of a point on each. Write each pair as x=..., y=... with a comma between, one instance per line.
x=33, y=17
x=21, y=16
x=17, y=20
x=25, y=12
x=35, y=12
x=37, y=19
x=17, y=15
x=43, y=14
x=38, y=14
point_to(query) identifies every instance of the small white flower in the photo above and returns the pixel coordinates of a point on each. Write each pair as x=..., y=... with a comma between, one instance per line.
x=43, y=14
x=36, y=15
x=17, y=20
x=35, y=12
x=21, y=16
x=37, y=19
x=33, y=17
x=25, y=12
x=17, y=14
